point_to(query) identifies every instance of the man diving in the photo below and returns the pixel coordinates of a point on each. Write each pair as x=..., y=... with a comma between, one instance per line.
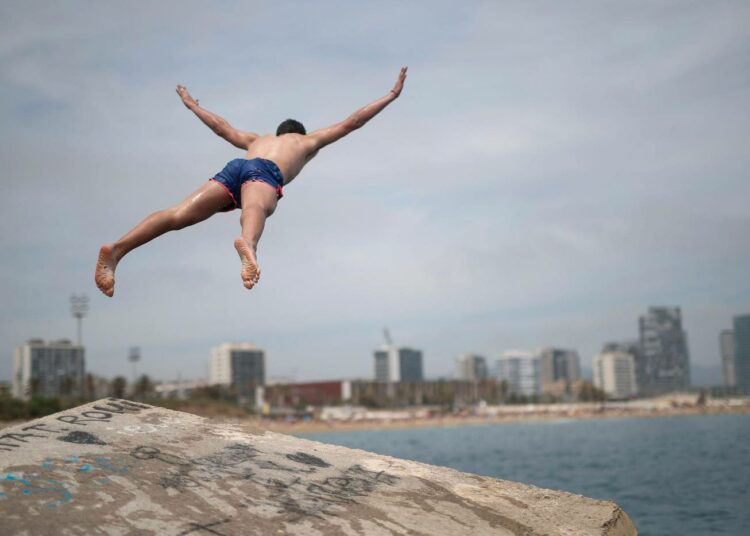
x=253, y=184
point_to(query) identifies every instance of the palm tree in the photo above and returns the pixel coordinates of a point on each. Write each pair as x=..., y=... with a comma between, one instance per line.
x=117, y=387
x=143, y=387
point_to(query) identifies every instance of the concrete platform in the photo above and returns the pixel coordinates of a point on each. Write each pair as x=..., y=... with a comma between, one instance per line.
x=120, y=467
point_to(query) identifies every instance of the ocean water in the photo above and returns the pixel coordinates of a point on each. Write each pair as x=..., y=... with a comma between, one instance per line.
x=687, y=475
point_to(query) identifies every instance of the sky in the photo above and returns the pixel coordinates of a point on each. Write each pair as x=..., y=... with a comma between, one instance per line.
x=549, y=172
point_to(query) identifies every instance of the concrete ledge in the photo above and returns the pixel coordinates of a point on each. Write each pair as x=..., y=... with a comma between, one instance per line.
x=120, y=467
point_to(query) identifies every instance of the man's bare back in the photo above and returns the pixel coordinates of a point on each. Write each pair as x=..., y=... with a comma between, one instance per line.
x=271, y=159
x=290, y=152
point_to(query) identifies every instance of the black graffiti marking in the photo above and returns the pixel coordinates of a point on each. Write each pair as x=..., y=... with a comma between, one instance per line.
x=41, y=427
x=92, y=415
x=17, y=437
x=230, y=456
x=287, y=489
x=153, y=453
x=273, y=466
x=178, y=481
x=136, y=405
x=119, y=408
x=307, y=459
x=195, y=527
x=98, y=414
x=81, y=438
x=103, y=414
x=75, y=419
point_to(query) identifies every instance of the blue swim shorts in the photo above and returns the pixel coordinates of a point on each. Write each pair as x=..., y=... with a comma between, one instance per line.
x=240, y=170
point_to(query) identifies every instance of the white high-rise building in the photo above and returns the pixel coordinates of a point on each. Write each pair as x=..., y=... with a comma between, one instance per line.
x=614, y=373
x=238, y=365
x=471, y=367
x=48, y=369
x=398, y=364
x=521, y=369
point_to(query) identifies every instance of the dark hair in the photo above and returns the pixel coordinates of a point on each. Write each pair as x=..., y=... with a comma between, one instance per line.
x=290, y=126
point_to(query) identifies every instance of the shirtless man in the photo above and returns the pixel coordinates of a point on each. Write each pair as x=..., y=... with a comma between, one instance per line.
x=253, y=183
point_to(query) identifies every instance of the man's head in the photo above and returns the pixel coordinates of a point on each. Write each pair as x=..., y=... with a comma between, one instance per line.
x=290, y=126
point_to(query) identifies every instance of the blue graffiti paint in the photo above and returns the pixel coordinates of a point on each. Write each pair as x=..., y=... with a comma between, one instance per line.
x=32, y=489
x=104, y=463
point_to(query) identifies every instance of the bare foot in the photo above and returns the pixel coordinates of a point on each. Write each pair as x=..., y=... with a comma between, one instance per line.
x=250, y=271
x=105, y=270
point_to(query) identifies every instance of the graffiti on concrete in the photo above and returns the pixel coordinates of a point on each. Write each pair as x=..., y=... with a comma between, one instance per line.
x=34, y=484
x=51, y=476
x=44, y=430
x=82, y=438
x=307, y=459
x=295, y=490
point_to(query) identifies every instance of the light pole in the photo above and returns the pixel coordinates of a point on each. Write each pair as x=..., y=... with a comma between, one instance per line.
x=134, y=355
x=79, y=306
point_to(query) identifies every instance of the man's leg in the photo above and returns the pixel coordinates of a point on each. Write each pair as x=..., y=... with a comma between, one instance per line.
x=200, y=205
x=258, y=203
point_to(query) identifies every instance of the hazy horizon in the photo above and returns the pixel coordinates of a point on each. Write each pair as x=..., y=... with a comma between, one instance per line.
x=549, y=172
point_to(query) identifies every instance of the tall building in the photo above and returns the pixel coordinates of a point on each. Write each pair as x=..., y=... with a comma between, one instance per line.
x=742, y=352
x=633, y=348
x=614, y=373
x=520, y=369
x=558, y=365
x=238, y=365
x=726, y=345
x=471, y=367
x=52, y=369
x=398, y=364
x=665, y=351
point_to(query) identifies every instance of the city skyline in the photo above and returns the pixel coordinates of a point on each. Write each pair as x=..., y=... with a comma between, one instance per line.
x=587, y=365
x=548, y=173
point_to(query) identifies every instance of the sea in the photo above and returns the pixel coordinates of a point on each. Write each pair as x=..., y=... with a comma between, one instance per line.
x=683, y=475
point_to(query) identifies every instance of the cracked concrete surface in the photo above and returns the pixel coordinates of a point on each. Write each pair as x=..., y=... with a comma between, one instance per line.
x=120, y=467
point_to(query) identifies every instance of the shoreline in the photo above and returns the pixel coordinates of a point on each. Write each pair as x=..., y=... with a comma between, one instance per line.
x=451, y=421
x=498, y=415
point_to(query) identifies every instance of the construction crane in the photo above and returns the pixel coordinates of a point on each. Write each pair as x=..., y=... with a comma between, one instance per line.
x=387, y=335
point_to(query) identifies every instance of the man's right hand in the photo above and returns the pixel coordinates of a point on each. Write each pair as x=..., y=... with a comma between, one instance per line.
x=187, y=98
x=396, y=91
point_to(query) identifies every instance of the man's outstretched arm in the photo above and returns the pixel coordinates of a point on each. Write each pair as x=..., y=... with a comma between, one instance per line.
x=328, y=135
x=218, y=124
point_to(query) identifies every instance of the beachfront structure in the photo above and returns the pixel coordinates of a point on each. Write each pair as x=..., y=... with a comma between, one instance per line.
x=521, y=370
x=241, y=366
x=726, y=346
x=398, y=364
x=48, y=369
x=558, y=366
x=471, y=367
x=614, y=373
x=742, y=352
x=180, y=389
x=664, y=351
x=377, y=394
x=633, y=348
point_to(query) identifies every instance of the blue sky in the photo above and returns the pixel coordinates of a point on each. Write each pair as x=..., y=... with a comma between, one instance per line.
x=549, y=172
